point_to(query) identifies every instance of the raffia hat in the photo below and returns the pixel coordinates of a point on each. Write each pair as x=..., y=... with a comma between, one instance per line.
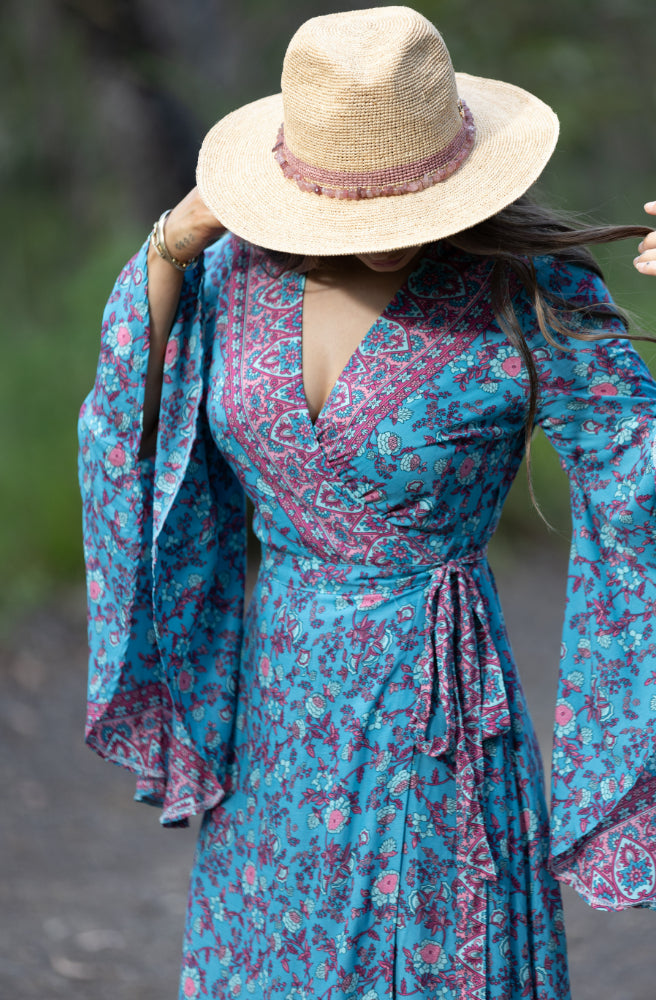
x=374, y=144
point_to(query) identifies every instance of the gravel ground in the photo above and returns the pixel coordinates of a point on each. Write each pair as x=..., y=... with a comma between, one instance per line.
x=92, y=890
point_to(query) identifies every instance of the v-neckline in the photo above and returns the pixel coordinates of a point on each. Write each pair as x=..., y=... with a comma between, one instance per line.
x=355, y=355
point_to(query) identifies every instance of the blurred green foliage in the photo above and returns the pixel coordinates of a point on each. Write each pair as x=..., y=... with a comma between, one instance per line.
x=105, y=104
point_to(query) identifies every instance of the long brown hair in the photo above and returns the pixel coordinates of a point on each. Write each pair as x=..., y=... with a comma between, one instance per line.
x=512, y=238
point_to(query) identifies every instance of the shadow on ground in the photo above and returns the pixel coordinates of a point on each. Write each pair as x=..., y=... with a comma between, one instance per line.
x=92, y=890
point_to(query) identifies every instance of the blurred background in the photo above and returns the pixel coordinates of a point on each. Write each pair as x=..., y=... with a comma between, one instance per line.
x=104, y=104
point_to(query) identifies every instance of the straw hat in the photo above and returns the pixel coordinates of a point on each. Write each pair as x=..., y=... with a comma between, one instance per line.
x=374, y=143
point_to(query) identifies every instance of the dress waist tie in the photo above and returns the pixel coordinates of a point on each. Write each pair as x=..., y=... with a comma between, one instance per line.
x=463, y=674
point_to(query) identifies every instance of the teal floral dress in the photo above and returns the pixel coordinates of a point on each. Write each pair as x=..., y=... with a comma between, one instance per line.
x=359, y=743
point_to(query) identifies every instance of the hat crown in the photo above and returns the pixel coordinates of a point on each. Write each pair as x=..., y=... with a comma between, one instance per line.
x=367, y=90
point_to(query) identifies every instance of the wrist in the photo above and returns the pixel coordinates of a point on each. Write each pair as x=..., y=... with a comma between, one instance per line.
x=181, y=259
x=190, y=228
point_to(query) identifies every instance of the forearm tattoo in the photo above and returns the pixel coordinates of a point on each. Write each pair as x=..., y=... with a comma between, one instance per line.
x=185, y=242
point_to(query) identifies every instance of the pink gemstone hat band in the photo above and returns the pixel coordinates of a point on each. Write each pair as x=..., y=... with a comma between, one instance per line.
x=387, y=181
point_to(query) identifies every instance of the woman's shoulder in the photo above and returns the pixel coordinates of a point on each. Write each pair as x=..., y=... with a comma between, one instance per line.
x=570, y=280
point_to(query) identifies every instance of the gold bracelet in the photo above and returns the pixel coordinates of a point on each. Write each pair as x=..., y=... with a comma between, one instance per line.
x=157, y=239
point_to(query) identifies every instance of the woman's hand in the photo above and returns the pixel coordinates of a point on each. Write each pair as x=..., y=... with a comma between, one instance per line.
x=191, y=227
x=646, y=262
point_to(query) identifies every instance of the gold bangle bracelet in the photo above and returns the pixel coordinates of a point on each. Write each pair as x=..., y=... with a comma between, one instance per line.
x=158, y=242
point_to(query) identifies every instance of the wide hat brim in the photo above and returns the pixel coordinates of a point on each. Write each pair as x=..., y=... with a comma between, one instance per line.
x=241, y=182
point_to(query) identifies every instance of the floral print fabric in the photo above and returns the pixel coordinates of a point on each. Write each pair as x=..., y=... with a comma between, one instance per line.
x=375, y=821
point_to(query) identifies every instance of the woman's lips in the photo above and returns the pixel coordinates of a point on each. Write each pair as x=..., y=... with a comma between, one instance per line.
x=382, y=261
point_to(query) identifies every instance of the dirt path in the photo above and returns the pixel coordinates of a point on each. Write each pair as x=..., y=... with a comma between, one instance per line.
x=92, y=890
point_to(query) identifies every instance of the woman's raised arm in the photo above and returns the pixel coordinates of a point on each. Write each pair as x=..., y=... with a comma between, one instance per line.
x=189, y=228
x=646, y=261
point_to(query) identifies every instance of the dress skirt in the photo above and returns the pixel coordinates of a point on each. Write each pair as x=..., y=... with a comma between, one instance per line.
x=332, y=867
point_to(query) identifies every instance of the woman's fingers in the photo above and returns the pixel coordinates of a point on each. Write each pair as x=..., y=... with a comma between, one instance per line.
x=646, y=261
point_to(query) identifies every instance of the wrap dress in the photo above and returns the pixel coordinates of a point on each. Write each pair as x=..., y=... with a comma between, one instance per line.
x=359, y=743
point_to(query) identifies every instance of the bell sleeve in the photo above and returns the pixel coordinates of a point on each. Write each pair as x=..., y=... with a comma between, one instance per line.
x=598, y=407
x=164, y=543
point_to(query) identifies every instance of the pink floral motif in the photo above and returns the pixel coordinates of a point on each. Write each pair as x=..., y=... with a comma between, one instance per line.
x=123, y=336
x=171, y=351
x=116, y=456
x=512, y=366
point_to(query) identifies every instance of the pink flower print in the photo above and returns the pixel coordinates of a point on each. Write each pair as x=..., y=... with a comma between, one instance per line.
x=385, y=888
x=468, y=469
x=428, y=957
x=264, y=670
x=171, y=352
x=512, y=366
x=185, y=680
x=565, y=718
x=249, y=878
x=96, y=585
x=336, y=814
x=116, y=462
x=563, y=714
x=430, y=952
x=529, y=823
x=119, y=339
x=370, y=601
x=609, y=385
x=190, y=983
x=123, y=336
x=506, y=363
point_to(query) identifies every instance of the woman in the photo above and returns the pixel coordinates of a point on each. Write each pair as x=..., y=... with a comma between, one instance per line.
x=375, y=823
